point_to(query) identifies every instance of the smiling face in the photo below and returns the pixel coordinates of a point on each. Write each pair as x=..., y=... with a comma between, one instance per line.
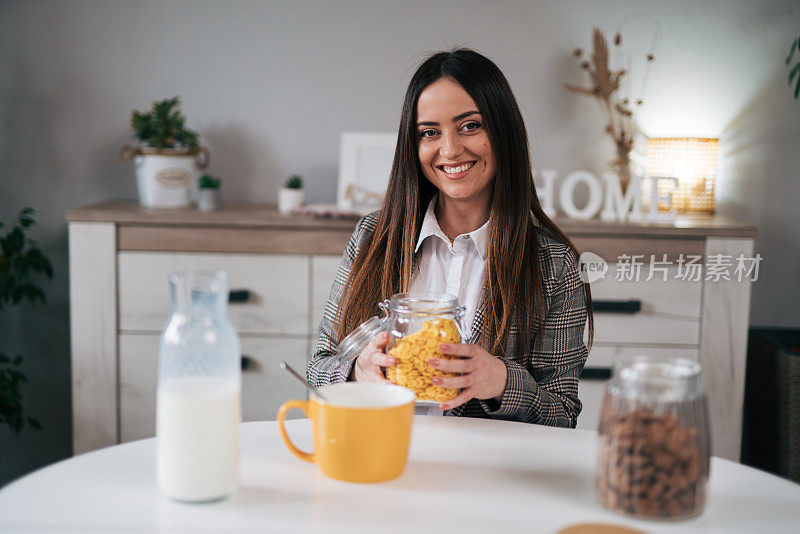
x=454, y=149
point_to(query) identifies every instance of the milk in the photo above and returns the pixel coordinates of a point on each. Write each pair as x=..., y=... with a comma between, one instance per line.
x=197, y=429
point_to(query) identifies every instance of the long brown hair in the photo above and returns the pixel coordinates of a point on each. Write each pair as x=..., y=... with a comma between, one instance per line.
x=514, y=288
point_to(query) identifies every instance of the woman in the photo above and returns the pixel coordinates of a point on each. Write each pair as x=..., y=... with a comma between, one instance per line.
x=461, y=216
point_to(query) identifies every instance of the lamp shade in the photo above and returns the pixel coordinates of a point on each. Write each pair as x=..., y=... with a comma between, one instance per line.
x=693, y=161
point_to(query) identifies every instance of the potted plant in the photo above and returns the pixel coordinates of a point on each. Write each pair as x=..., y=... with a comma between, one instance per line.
x=794, y=72
x=169, y=158
x=208, y=192
x=21, y=261
x=291, y=195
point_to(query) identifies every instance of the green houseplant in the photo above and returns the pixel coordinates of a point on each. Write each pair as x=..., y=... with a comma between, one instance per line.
x=208, y=181
x=163, y=127
x=291, y=196
x=208, y=192
x=295, y=181
x=169, y=157
x=794, y=72
x=21, y=264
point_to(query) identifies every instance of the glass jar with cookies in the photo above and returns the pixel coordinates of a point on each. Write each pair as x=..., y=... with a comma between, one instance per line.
x=653, y=455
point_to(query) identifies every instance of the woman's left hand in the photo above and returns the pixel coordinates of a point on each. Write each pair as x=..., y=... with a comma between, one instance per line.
x=483, y=376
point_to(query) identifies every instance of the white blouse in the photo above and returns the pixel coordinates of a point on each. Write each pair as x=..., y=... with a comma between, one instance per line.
x=455, y=268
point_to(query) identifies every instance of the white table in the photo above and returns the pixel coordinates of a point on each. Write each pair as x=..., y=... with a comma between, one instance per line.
x=463, y=475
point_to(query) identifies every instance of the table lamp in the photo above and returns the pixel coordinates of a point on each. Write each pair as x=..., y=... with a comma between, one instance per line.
x=693, y=161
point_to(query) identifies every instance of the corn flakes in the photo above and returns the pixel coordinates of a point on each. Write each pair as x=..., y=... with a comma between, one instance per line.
x=412, y=353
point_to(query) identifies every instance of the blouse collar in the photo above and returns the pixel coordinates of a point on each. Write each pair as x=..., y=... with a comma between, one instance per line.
x=430, y=227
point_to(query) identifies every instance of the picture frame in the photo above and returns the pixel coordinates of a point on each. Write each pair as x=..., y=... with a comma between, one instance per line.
x=365, y=163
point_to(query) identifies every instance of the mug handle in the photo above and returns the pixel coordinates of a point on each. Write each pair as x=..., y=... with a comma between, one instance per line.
x=285, y=407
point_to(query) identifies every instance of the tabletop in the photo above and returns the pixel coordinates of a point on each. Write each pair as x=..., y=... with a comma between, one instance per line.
x=463, y=475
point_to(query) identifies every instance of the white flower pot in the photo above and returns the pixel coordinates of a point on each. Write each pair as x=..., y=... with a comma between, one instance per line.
x=207, y=199
x=166, y=181
x=289, y=199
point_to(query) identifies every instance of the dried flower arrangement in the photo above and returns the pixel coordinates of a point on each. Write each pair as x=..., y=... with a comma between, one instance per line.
x=605, y=86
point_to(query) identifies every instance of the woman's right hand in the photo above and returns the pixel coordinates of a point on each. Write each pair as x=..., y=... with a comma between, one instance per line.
x=369, y=364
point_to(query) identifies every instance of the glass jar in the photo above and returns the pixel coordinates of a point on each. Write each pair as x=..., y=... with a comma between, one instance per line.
x=653, y=455
x=198, y=407
x=417, y=324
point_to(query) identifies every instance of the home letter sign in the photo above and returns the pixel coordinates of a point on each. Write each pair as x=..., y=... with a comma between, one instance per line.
x=617, y=206
x=595, y=195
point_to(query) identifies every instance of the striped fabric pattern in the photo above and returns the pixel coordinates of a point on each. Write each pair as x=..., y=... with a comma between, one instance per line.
x=542, y=385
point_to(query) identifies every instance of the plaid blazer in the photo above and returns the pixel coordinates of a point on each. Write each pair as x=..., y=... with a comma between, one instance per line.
x=542, y=384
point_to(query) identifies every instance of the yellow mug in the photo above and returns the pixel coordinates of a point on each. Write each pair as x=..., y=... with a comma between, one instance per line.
x=361, y=434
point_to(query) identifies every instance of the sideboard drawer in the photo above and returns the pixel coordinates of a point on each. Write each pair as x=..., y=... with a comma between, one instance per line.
x=670, y=309
x=264, y=385
x=277, y=286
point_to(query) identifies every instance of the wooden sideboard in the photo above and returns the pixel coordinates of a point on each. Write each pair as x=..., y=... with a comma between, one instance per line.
x=120, y=256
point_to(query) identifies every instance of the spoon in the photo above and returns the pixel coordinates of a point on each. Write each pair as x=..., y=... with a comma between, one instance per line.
x=286, y=367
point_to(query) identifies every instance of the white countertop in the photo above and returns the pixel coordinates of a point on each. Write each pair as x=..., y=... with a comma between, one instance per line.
x=464, y=475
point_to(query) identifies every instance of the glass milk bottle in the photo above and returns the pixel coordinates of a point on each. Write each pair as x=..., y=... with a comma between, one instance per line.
x=199, y=392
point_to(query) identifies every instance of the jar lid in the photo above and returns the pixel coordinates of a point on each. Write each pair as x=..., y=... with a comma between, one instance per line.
x=354, y=342
x=659, y=378
x=423, y=303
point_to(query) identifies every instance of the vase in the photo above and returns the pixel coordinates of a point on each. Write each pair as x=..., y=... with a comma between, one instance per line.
x=166, y=178
x=290, y=199
x=207, y=199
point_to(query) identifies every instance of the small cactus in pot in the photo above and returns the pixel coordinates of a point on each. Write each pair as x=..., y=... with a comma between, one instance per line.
x=208, y=192
x=291, y=196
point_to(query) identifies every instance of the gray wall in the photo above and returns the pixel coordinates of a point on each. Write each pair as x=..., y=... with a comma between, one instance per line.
x=270, y=85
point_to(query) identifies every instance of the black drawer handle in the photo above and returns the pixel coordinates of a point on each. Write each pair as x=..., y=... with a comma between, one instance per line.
x=596, y=373
x=617, y=306
x=248, y=363
x=238, y=296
